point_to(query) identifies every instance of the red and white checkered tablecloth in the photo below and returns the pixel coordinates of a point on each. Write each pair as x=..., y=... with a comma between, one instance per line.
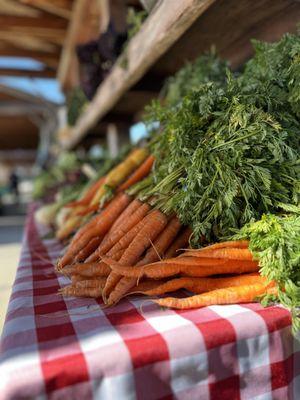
x=66, y=348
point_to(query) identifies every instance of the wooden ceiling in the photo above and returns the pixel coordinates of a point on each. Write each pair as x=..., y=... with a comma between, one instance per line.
x=34, y=29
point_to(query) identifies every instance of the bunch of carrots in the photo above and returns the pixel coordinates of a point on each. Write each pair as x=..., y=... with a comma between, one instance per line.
x=128, y=248
x=135, y=167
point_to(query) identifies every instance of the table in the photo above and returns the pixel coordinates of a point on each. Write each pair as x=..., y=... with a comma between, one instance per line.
x=66, y=348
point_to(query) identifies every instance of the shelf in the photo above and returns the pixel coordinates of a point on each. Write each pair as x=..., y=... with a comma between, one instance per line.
x=176, y=32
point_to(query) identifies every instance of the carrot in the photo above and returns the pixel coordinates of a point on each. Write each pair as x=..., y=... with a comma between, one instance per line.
x=119, y=238
x=189, y=266
x=200, y=285
x=237, y=244
x=153, y=224
x=161, y=243
x=72, y=223
x=86, y=269
x=79, y=278
x=229, y=253
x=108, y=216
x=88, y=194
x=181, y=241
x=230, y=295
x=140, y=173
x=88, y=210
x=81, y=291
x=91, y=283
x=88, y=249
x=119, y=173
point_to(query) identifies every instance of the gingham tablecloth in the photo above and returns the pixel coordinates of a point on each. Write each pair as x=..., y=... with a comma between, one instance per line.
x=66, y=348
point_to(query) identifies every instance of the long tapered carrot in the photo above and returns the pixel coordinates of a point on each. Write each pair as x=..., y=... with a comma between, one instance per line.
x=154, y=223
x=88, y=195
x=88, y=210
x=200, y=285
x=129, y=210
x=122, y=234
x=230, y=295
x=87, y=269
x=78, y=291
x=181, y=241
x=237, y=244
x=160, y=244
x=88, y=249
x=80, y=278
x=230, y=253
x=119, y=173
x=140, y=173
x=100, y=228
x=124, y=227
x=196, y=267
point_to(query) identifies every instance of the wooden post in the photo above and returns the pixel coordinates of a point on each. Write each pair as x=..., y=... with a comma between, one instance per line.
x=112, y=140
x=117, y=136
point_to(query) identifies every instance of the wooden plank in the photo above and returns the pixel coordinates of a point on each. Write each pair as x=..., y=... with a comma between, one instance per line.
x=84, y=26
x=229, y=26
x=10, y=7
x=167, y=22
x=44, y=73
x=68, y=53
x=51, y=60
x=51, y=7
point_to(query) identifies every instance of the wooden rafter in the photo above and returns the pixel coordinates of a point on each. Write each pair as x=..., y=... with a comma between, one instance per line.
x=11, y=7
x=58, y=8
x=44, y=73
x=27, y=42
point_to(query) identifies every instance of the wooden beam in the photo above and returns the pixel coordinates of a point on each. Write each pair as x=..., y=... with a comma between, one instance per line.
x=68, y=53
x=11, y=7
x=50, y=7
x=27, y=42
x=44, y=73
x=162, y=28
x=51, y=60
x=44, y=21
x=52, y=35
x=12, y=108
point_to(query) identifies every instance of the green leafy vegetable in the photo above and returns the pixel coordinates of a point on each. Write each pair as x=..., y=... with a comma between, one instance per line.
x=275, y=242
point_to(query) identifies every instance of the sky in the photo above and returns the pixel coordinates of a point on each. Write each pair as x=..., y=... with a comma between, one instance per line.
x=46, y=87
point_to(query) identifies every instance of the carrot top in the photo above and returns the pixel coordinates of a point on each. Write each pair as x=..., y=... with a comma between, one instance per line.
x=275, y=242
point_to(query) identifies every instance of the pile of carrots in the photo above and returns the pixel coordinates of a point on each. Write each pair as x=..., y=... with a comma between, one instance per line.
x=128, y=247
x=134, y=168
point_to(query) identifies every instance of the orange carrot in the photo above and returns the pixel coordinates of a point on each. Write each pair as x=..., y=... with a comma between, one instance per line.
x=80, y=278
x=118, y=237
x=237, y=244
x=108, y=217
x=153, y=224
x=181, y=241
x=86, y=269
x=120, y=222
x=189, y=266
x=77, y=291
x=200, y=285
x=88, y=210
x=88, y=249
x=230, y=253
x=160, y=244
x=230, y=295
x=88, y=195
x=140, y=173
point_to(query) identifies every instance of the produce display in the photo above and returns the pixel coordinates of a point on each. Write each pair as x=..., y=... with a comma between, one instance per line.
x=211, y=203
